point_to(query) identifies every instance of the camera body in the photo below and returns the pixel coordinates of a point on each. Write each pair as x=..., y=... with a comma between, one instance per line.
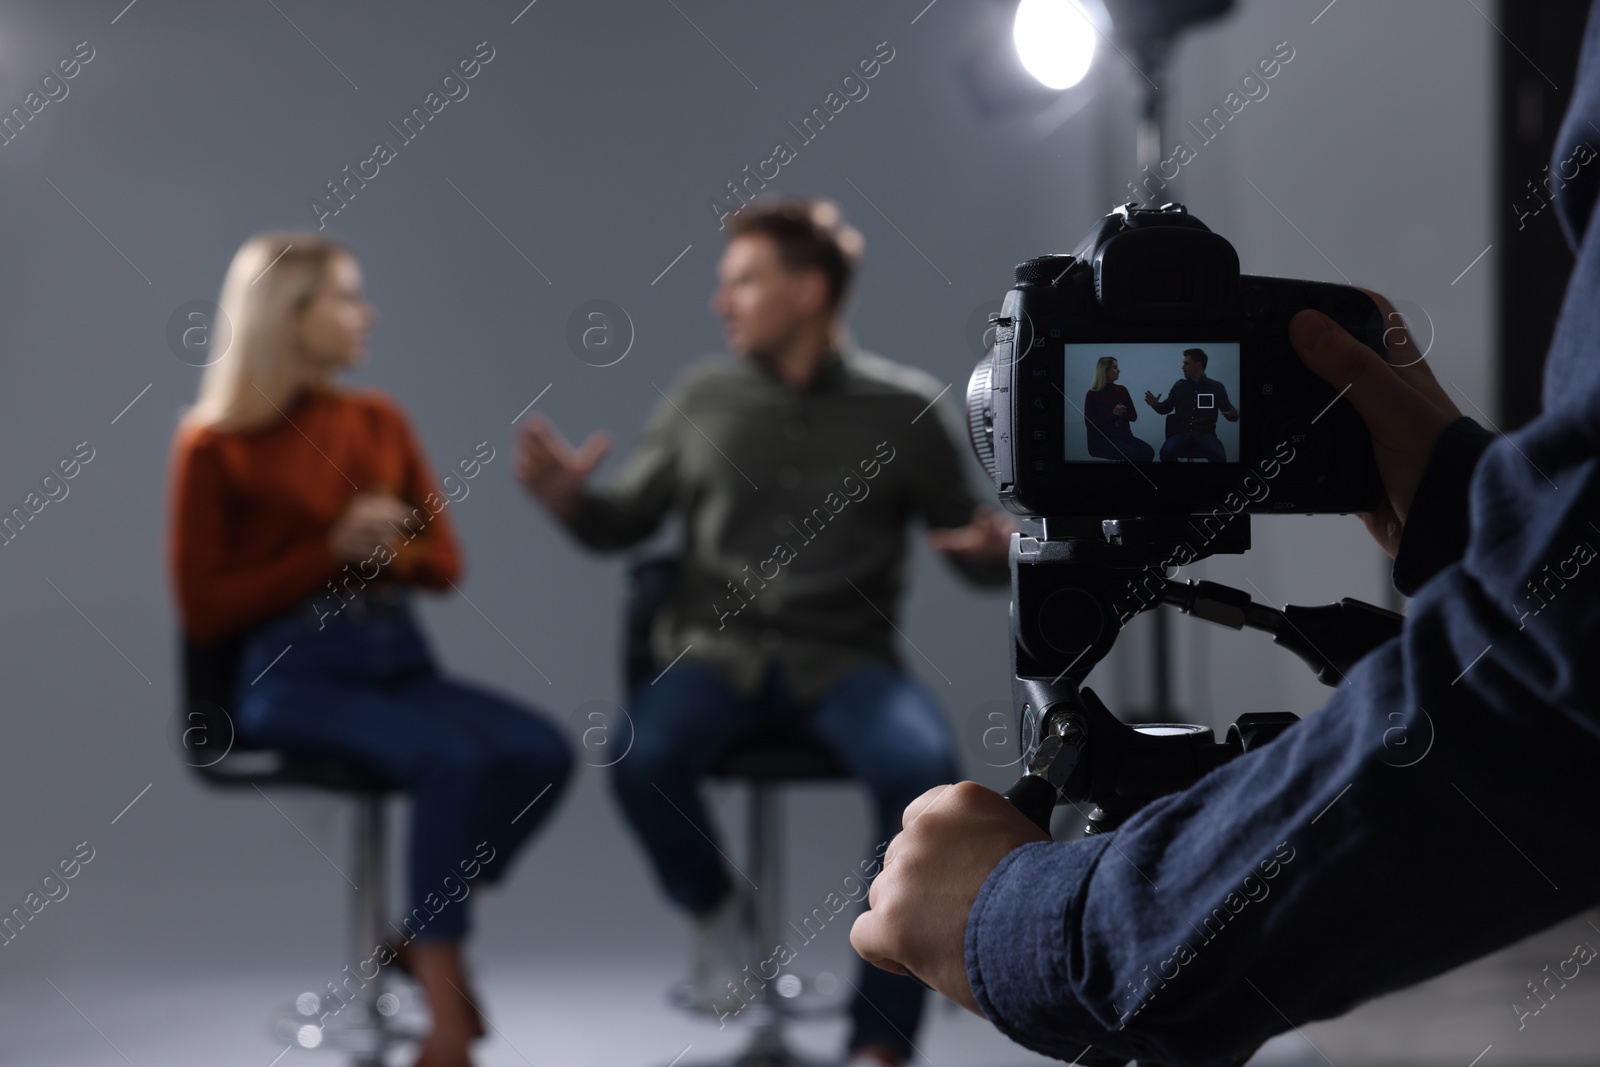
x=1217, y=411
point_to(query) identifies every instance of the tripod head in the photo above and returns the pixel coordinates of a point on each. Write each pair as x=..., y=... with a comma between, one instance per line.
x=1074, y=584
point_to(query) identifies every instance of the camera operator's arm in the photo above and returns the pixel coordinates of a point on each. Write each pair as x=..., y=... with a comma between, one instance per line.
x=953, y=836
x=1327, y=868
x=1426, y=449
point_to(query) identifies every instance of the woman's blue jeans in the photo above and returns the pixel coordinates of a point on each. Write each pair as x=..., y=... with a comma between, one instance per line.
x=883, y=726
x=366, y=689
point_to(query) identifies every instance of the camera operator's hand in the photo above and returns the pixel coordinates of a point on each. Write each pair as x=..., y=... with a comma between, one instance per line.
x=987, y=538
x=551, y=469
x=1403, y=405
x=954, y=836
x=372, y=517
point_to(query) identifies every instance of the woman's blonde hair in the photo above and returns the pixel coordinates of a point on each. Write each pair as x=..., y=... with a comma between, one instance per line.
x=272, y=278
x=1100, y=367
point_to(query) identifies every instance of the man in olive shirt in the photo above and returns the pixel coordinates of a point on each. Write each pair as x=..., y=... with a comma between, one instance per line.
x=795, y=471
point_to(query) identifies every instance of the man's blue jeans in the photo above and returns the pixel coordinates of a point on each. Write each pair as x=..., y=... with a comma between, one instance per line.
x=1193, y=443
x=883, y=726
x=366, y=689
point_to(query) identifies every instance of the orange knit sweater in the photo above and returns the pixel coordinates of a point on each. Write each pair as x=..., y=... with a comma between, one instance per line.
x=250, y=512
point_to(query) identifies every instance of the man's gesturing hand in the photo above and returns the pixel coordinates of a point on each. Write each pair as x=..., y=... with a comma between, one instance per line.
x=1403, y=405
x=552, y=469
x=986, y=538
x=954, y=836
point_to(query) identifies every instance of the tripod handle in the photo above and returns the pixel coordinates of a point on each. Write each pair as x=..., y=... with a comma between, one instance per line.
x=1034, y=797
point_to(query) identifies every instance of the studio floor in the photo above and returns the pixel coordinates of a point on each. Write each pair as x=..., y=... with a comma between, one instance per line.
x=613, y=1012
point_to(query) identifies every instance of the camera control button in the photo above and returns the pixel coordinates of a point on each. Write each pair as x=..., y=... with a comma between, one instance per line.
x=1257, y=302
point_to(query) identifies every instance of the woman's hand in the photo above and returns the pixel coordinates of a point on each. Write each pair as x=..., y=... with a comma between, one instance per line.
x=371, y=518
x=1120, y=411
x=1403, y=405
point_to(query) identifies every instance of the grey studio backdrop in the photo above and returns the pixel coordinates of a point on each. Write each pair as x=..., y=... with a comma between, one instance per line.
x=582, y=165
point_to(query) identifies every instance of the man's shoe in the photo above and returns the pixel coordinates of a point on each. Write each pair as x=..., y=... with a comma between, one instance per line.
x=721, y=951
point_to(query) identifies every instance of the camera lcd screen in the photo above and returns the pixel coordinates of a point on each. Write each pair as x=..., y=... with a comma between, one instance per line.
x=1152, y=403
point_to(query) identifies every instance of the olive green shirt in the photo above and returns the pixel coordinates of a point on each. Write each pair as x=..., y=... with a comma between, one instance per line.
x=795, y=504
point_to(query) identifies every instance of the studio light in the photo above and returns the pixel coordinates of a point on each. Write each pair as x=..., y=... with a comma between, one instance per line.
x=1055, y=40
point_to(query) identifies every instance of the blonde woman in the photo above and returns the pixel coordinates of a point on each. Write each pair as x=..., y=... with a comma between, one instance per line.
x=302, y=515
x=1107, y=411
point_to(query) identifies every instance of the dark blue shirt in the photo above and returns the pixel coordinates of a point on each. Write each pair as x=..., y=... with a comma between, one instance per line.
x=1195, y=405
x=1443, y=804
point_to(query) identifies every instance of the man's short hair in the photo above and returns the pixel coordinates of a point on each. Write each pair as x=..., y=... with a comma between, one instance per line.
x=1198, y=355
x=810, y=234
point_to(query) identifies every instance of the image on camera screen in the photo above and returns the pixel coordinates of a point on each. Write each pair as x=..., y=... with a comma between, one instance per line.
x=1152, y=403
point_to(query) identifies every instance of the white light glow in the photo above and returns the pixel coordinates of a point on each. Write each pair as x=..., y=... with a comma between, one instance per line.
x=1055, y=41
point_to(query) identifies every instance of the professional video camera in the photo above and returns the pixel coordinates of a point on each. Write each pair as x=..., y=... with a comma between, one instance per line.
x=1152, y=293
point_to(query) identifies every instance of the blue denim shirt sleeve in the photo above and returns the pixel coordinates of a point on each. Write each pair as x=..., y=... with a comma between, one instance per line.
x=1434, y=810
x=1435, y=533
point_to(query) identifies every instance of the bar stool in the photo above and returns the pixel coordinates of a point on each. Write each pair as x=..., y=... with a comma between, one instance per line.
x=364, y=1021
x=763, y=763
